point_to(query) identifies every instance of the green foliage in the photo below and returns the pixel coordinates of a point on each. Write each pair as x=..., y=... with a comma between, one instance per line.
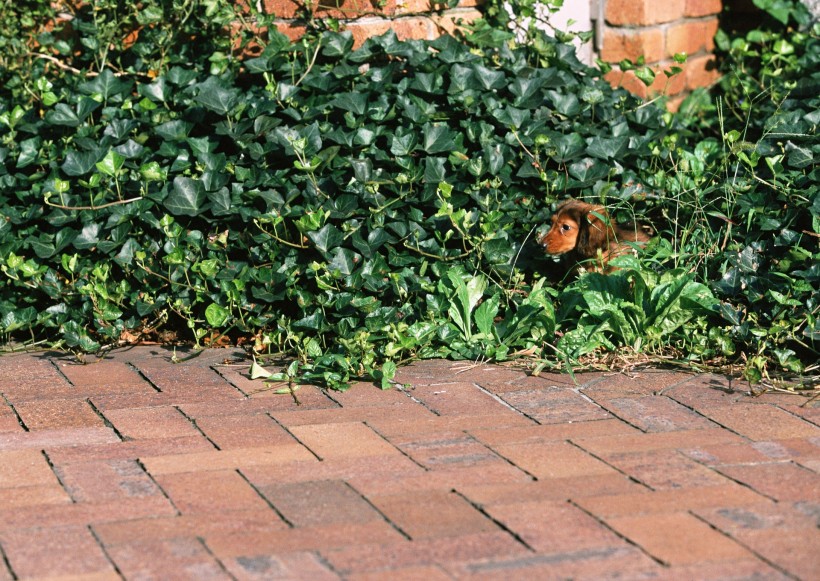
x=749, y=193
x=354, y=209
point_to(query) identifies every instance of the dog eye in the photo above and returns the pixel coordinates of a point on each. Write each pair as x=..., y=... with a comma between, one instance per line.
x=565, y=227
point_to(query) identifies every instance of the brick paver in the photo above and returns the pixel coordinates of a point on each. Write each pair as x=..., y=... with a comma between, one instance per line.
x=139, y=467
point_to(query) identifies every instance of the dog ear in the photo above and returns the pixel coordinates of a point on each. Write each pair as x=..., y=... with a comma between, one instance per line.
x=592, y=234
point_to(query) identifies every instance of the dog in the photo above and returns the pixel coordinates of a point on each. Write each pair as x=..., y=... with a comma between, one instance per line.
x=585, y=234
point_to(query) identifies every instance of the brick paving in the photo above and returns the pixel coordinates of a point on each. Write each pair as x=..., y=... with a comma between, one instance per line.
x=139, y=467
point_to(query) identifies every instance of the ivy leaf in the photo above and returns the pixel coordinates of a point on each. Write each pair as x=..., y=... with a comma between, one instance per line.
x=186, y=198
x=106, y=84
x=216, y=96
x=566, y=104
x=176, y=130
x=607, y=148
x=111, y=164
x=438, y=138
x=337, y=44
x=62, y=114
x=78, y=163
x=216, y=315
x=326, y=238
x=354, y=102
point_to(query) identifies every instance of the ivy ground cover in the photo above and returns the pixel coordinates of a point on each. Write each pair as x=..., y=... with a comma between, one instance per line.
x=355, y=209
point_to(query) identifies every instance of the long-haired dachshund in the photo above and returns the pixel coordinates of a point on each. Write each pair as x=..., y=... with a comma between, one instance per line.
x=585, y=234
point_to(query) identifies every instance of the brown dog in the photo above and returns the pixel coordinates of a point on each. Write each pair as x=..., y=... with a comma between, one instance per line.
x=585, y=233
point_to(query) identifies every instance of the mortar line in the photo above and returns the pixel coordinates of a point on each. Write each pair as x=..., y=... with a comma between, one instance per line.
x=518, y=538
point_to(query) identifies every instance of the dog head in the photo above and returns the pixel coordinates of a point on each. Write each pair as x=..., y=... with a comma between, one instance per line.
x=577, y=226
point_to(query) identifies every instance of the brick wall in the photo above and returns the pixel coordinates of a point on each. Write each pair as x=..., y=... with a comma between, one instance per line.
x=411, y=19
x=658, y=29
x=627, y=29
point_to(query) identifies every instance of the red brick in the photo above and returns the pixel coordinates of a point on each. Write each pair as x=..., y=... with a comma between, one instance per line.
x=701, y=72
x=8, y=419
x=440, y=371
x=703, y=391
x=396, y=555
x=83, y=514
x=320, y=502
x=58, y=413
x=770, y=518
x=691, y=37
x=429, y=423
x=638, y=384
x=457, y=399
x=105, y=376
x=757, y=452
x=227, y=459
x=168, y=559
x=555, y=405
x=555, y=489
x=150, y=423
x=262, y=567
x=630, y=44
x=409, y=28
x=53, y=552
x=284, y=9
x=628, y=81
x=571, y=529
x=310, y=538
x=349, y=440
x=535, y=435
x=406, y=414
x=446, y=450
x=517, y=381
x=384, y=468
x=292, y=30
x=204, y=525
x=106, y=480
x=595, y=563
x=656, y=414
x=553, y=460
x=212, y=492
x=810, y=412
x=761, y=422
x=362, y=394
x=430, y=371
x=682, y=439
x=678, y=539
x=453, y=21
x=696, y=8
x=744, y=569
x=118, y=401
x=782, y=536
x=667, y=85
x=445, y=478
x=662, y=470
x=643, y=12
x=131, y=450
x=25, y=468
x=191, y=380
x=21, y=496
x=243, y=431
x=707, y=32
x=673, y=500
x=23, y=375
x=427, y=573
x=432, y=513
x=781, y=481
x=303, y=397
x=55, y=439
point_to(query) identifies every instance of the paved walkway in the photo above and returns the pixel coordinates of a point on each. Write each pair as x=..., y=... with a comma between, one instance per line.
x=139, y=468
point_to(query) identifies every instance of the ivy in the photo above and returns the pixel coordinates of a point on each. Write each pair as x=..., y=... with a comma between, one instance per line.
x=356, y=209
